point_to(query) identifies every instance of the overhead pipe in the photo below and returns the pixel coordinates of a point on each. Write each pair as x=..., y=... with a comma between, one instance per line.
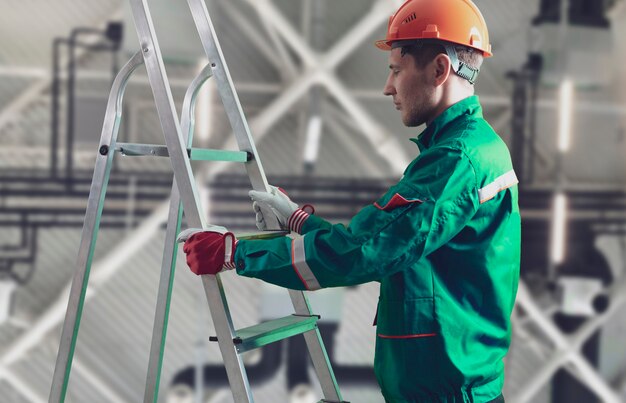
x=113, y=35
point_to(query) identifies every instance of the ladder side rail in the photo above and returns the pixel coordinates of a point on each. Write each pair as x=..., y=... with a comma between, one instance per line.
x=317, y=351
x=166, y=111
x=93, y=213
x=168, y=265
x=188, y=191
x=164, y=296
x=229, y=97
x=224, y=329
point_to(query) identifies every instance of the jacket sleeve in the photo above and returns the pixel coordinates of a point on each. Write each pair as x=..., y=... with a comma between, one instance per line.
x=431, y=204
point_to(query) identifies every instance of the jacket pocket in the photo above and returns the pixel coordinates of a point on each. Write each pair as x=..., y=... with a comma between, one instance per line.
x=376, y=216
x=397, y=200
x=408, y=350
x=397, y=196
x=407, y=319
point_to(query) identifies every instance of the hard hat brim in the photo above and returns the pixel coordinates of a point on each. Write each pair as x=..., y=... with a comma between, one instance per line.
x=383, y=44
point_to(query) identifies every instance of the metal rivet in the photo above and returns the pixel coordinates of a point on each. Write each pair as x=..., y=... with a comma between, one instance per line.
x=104, y=150
x=145, y=50
x=213, y=64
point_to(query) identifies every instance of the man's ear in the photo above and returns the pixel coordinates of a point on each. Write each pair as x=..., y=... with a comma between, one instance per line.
x=441, y=69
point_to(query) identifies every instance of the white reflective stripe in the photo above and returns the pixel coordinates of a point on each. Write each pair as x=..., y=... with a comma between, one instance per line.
x=229, y=247
x=500, y=183
x=229, y=251
x=298, y=260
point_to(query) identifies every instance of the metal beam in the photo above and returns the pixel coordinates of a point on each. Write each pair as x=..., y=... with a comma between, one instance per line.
x=598, y=108
x=96, y=381
x=179, y=83
x=7, y=116
x=324, y=65
x=502, y=121
x=101, y=273
x=21, y=387
x=568, y=348
x=618, y=9
x=288, y=68
x=268, y=12
x=258, y=41
x=355, y=148
x=505, y=119
x=384, y=143
x=13, y=110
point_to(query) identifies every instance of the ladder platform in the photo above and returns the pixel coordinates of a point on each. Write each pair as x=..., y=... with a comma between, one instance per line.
x=250, y=338
x=195, y=154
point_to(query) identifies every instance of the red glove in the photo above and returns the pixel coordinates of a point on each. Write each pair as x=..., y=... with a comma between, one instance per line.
x=209, y=251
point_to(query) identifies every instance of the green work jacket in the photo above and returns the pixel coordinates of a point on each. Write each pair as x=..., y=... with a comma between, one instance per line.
x=444, y=243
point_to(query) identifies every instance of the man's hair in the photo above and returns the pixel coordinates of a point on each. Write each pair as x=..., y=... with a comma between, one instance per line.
x=424, y=52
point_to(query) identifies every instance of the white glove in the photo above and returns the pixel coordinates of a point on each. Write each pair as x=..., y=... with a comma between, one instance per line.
x=277, y=201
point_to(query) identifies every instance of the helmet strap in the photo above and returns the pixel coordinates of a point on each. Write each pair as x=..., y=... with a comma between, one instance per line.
x=461, y=69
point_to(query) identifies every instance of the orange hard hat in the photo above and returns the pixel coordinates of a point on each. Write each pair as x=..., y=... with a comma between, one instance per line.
x=455, y=21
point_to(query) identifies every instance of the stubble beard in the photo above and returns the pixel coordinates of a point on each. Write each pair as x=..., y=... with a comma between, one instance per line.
x=413, y=120
x=417, y=116
x=420, y=111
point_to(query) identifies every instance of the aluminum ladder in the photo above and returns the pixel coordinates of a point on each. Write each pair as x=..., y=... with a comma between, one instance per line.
x=184, y=197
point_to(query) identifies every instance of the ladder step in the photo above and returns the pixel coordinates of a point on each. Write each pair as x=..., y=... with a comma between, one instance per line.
x=269, y=234
x=268, y=332
x=195, y=154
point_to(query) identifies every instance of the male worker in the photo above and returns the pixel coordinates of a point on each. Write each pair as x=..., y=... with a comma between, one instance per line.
x=444, y=242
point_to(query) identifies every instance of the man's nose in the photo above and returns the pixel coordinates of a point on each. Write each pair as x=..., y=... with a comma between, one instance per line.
x=389, y=89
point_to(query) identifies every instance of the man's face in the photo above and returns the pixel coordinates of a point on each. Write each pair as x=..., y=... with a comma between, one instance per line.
x=412, y=93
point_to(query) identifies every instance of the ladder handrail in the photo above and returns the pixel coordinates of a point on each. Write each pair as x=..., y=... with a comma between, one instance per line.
x=168, y=263
x=159, y=83
x=228, y=94
x=101, y=173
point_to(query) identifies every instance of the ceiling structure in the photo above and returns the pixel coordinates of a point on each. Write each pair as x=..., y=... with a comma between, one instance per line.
x=276, y=55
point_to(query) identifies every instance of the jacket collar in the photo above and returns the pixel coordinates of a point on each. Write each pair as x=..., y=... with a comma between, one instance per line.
x=468, y=106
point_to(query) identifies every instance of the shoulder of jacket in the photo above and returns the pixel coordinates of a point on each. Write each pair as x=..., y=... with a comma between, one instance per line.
x=447, y=156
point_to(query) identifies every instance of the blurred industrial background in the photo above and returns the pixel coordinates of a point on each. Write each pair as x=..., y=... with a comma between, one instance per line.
x=310, y=82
